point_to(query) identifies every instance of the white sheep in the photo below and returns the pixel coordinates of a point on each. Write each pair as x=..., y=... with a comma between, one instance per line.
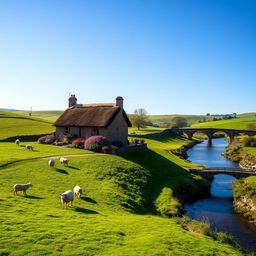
x=51, y=163
x=30, y=147
x=17, y=142
x=64, y=161
x=21, y=187
x=66, y=198
x=78, y=191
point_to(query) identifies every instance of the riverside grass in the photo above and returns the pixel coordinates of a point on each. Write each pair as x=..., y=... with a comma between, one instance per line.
x=112, y=218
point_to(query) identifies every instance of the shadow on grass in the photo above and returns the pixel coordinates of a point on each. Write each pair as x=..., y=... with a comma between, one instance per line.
x=34, y=197
x=88, y=199
x=163, y=173
x=61, y=171
x=83, y=210
x=72, y=167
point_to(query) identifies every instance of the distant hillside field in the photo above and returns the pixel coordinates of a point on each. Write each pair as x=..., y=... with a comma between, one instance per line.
x=238, y=123
x=168, y=118
x=50, y=115
x=13, y=124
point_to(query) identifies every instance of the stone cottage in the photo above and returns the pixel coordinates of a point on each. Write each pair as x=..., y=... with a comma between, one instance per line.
x=86, y=120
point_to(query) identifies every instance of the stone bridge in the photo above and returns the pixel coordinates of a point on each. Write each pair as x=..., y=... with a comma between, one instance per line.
x=237, y=173
x=209, y=132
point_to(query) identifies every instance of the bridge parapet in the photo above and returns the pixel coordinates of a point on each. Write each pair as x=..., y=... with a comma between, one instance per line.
x=237, y=173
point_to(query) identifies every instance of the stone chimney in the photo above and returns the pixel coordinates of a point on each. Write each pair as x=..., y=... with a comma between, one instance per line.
x=72, y=100
x=119, y=102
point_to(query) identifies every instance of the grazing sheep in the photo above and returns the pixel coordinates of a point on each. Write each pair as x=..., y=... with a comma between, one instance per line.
x=64, y=161
x=30, y=147
x=78, y=191
x=21, y=187
x=66, y=198
x=17, y=142
x=51, y=163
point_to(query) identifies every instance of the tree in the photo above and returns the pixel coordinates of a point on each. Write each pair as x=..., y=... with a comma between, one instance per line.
x=179, y=122
x=208, y=114
x=139, y=118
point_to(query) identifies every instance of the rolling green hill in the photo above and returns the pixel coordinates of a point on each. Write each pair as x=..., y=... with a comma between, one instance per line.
x=12, y=124
x=117, y=215
x=238, y=123
x=168, y=118
x=50, y=115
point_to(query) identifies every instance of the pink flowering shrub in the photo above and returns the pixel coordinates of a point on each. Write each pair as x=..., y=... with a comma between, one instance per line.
x=78, y=143
x=95, y=143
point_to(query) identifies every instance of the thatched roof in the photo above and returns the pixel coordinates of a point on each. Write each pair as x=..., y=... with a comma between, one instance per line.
x=90, y=115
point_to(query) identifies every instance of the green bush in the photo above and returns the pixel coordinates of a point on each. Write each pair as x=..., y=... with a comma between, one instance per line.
x=48, y=139
x=167, y=205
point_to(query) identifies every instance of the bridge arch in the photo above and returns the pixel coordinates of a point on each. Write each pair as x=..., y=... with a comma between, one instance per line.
x=209, y=132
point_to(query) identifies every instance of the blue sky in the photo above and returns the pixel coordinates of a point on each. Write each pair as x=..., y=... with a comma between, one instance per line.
x=173, y=56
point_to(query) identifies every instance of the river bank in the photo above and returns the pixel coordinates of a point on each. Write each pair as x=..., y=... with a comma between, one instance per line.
x=243, y=152
x=218, y=208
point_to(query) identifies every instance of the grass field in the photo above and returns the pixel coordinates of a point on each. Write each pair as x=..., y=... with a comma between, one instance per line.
x=9, y=152
x=15, y=125
x=119, y=213
x=168, y=118
x=114, y=216
x=50, y=115
x=239, y=123
x=146, y=130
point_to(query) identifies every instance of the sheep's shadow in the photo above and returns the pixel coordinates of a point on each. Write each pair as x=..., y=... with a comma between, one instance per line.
x=61, y=171
x=34, y=197
x=83, y=210
x=22, y=146
x=88, y=199
x=72, y=167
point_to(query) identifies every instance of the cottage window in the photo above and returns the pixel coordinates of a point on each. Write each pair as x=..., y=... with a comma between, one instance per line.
x=95, y=131
x=67, y=129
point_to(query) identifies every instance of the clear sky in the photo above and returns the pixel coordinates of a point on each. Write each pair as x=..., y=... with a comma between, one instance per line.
x=173, y=56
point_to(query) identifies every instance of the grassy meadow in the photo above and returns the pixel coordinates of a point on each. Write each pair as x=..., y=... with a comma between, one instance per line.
x=9, y=152
x=168, y=118
x=12, y=124
x=122, y=211
x=115, y=216
x=238, y=123
x=50, y=115
x=146, y=130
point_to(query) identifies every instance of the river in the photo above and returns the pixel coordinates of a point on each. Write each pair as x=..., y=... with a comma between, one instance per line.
x=218, y=208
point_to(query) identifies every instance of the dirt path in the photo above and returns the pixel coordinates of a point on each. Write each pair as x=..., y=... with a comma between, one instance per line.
x=52, y=157
x=75, y=155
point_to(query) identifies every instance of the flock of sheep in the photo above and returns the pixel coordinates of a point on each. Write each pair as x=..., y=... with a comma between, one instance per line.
x=66, y=198
x=28, y=147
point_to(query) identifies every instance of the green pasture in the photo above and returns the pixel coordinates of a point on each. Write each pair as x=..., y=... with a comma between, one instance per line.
x=10, y=152
x=238, y=123
x=168, y=118
x=50, y=115
x=112, y=218
x=16, y=125
x=146, y=130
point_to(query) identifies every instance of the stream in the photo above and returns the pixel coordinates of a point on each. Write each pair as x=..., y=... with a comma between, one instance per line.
x=218, y=208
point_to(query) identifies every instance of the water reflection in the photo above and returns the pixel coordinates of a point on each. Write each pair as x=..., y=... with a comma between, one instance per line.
x=218, y=209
